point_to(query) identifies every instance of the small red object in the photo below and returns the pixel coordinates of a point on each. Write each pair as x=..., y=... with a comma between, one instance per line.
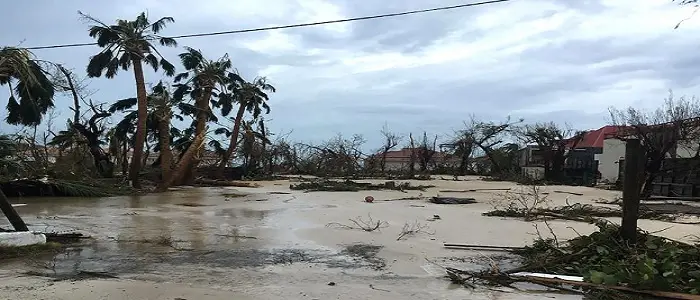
x=369, y=199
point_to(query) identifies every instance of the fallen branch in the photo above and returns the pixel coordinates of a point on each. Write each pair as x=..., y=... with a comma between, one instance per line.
x=570, y=193
x=211, y=182
x=472, y=190
x=358, y=223
x=410, y=229
x=479, y=247
x=452, y=200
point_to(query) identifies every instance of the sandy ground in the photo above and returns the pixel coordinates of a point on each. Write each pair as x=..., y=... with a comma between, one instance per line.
x=267, y=245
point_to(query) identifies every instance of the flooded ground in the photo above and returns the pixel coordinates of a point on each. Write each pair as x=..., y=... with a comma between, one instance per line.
x=273, y=243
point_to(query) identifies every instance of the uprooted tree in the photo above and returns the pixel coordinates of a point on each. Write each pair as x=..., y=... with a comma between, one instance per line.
x=669, y=131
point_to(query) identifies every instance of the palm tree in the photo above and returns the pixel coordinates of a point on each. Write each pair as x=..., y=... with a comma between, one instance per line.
x=251, y=97
x=158, y=125
x=203, y=80
x=33, y=88
x=128, y=44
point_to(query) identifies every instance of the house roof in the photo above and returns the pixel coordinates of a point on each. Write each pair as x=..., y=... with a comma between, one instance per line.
x=595, y=138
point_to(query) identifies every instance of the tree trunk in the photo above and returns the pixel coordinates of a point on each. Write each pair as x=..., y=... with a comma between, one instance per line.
x=166, y=154
x=203, y=111
x=76, y=99
x=180, y=170
x=140, y=140
x=234, y=139
x=11, y=214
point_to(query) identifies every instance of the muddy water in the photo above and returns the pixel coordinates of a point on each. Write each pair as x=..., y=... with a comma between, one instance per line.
x=262, y=245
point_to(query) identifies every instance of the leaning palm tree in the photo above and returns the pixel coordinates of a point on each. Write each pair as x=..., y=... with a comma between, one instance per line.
x=128, y=44
x=251, y=97
x=203, y=80
x=32, y=87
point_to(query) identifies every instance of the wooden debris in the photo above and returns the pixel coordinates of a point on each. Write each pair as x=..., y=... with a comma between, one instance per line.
x=570, y=193
x=452, y=200
x=481, y=247
x=212, y=182
x=472, y=190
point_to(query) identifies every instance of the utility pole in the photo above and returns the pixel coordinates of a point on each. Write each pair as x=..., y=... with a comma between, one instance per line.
x=631, y=190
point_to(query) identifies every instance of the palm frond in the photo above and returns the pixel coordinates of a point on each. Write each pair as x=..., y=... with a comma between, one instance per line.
x=123, y=104
x=157, y=26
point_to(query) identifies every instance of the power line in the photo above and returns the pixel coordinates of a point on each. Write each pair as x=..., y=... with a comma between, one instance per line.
x=411, y=12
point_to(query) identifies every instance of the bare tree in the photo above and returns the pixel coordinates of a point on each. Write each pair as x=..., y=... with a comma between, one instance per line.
x=660, y=132
x=426, y=152
x=413, y=157
x=69, y=83
x=391, y=140
x=484, y=136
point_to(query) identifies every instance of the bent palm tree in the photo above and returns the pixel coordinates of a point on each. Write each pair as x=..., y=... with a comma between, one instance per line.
x=205, y=79
x=251, y=97
x=33, y=87
x=128, y=44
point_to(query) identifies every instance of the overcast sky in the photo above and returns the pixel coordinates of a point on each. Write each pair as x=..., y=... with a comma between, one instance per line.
x=542, y=60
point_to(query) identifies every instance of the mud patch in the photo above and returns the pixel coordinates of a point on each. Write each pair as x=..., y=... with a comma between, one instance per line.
x=365, y=253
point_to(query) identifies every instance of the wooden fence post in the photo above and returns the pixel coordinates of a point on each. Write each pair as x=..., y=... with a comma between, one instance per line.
x=631, y=190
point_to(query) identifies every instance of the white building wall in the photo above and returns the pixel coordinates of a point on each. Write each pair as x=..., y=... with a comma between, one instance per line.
x=609, y=160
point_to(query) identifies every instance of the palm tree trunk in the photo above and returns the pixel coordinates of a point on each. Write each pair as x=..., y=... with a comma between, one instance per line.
x=11, y=214
x=180, y=170
x=203, y=111
x=142, y=101
x=234, y=139
x=166, y=154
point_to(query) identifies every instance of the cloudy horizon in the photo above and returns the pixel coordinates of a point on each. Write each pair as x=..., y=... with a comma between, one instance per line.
x=541, y=60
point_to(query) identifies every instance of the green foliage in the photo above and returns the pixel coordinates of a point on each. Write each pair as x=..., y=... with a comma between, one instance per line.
x=128, y=41
x=33, y=92
x=653, y=263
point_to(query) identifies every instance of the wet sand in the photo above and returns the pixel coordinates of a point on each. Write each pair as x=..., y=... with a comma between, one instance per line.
x=213, y=243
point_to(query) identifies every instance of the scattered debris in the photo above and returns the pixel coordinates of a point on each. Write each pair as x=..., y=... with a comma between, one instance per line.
x=574, y=212
x=65, y=238
x=353, y=186
x=234, y=195
x=410, y=229
x=377, y=289
x=192, y=204
x=368, y=225
x=369, y=199
x=570, y=193
x=366, y=252
x=279, y=193
x=452, y=200
x=237, y=236
x=473, y=190
x=415, y=205
x=481, y=247
x=331, y=283
x=213, y=182
x=601, y=262
x=436, y=217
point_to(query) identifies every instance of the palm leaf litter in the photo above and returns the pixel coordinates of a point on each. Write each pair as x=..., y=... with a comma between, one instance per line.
x=62, y=188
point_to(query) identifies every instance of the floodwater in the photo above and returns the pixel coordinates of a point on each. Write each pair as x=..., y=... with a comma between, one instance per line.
x=269, y=243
